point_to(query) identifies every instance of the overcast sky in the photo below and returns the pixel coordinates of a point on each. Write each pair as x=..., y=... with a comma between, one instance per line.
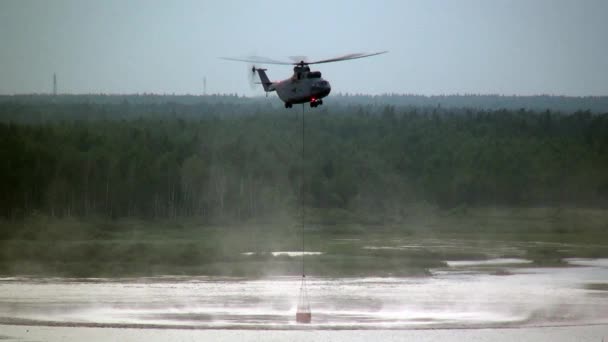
x=519, y=47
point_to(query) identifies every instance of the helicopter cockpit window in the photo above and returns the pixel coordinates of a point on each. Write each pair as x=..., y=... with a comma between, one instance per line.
x=314, y=74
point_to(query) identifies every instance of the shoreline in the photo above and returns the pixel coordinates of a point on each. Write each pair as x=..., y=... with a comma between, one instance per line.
x=549, y=334
x=4, y=321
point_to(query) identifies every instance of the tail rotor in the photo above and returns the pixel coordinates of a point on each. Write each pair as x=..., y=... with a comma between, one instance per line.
x=252, y=77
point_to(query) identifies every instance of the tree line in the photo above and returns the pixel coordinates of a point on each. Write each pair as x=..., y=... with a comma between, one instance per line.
x=244, y=161
x=61, y=103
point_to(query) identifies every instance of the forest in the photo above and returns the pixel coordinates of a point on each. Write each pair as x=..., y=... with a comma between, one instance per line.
x=230, y=159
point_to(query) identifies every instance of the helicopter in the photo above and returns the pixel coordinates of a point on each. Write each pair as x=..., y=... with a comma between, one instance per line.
x=304, y=86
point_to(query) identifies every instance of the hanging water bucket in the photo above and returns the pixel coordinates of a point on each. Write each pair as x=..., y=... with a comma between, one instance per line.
x=303, y=314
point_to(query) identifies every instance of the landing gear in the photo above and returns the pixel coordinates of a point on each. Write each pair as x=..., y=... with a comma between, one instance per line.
x=314, y=103
x=288, y=105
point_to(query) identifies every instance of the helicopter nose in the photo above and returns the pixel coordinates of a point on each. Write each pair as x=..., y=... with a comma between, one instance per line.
x=326, y=89
x=323, y=88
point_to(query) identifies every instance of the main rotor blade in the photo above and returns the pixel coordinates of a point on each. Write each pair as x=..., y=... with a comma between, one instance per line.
x=257, y=59
x=299, y=59
x=265, y=60
x=347, y=57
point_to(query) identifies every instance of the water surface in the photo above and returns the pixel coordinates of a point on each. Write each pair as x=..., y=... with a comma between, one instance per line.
x=464, y=296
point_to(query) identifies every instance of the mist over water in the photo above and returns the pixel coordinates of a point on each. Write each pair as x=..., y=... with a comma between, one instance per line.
x=462, y=296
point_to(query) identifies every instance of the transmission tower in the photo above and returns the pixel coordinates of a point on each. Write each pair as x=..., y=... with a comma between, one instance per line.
x=54, y=84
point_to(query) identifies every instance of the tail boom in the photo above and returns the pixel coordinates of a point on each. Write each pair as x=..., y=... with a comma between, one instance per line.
x=265, y=82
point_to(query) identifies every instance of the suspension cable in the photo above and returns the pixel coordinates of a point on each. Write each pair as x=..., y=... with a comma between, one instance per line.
x=303, y=212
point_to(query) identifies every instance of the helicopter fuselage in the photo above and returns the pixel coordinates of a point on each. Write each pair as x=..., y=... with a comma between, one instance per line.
x=304, y=86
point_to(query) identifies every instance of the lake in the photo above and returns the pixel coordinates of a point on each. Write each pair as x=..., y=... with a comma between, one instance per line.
x=464, y=300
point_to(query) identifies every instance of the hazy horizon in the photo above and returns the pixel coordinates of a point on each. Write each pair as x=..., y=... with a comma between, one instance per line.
x=435, y=47
x=273, y=94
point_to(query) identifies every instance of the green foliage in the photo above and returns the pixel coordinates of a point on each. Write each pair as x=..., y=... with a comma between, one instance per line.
x=235, y=162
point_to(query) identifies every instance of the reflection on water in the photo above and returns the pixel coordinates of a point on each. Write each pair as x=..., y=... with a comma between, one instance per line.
x=287, y=253
x=490, y=262
x=452, y=297
x=588, y=262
